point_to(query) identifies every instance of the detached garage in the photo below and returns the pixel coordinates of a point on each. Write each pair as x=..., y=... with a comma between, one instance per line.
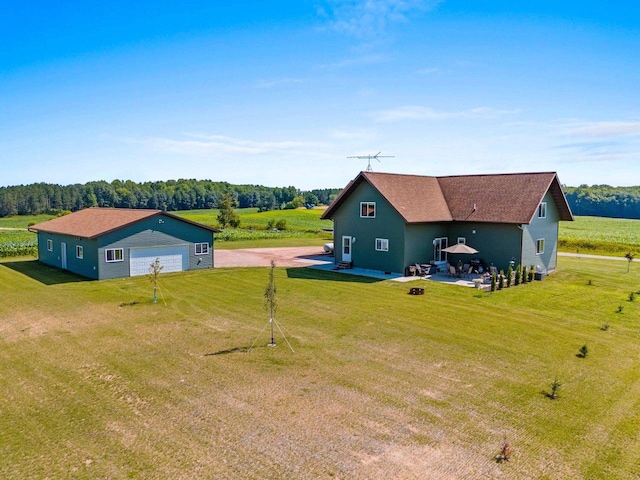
x=103, y=243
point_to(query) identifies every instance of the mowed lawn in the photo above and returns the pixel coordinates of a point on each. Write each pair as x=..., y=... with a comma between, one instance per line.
x=99, y=382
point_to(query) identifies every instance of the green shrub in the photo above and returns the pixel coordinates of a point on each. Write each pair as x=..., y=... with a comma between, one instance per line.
x=583, y=352
x=493, y=281
x=555, y=386
x=524, y=274
x=509, y=275
x=501, y=280
x=518, y=274
x=281, y=224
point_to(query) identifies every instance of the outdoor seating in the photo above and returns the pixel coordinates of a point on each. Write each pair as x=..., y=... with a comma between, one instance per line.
x=453, y=271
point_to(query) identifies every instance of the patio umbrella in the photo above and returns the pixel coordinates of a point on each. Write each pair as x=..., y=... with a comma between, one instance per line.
x=460, y=248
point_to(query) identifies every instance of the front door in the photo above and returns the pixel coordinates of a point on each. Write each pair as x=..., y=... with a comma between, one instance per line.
x=346, y=249
x=63, y=255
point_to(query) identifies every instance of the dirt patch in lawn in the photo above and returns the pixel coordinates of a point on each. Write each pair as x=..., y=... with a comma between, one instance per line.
x=261, y=257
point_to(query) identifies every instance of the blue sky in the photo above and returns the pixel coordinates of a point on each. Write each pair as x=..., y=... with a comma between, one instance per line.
x=280, y=93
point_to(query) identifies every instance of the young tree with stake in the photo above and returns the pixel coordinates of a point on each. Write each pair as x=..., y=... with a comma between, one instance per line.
x=270, y=303
x=154, y=272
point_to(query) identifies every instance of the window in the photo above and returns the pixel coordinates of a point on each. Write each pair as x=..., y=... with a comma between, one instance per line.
x=542, y=210
x=202, y=248
x=540, y=246
x=367, y=209
x=462, y=240
x=79, y=251
x=50, y=245
x=382, y=244
x=114, y=255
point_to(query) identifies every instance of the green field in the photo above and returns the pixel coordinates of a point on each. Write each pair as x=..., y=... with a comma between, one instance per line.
x=594, y=235
x=99, y=382
x=604, y=236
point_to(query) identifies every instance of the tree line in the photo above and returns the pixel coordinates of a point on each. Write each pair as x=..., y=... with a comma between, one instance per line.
x=604, y=201
x=170, y=195
x=183, y=194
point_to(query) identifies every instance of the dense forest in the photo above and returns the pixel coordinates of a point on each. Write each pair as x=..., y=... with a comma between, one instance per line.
x=604, y=201
x=170, y=195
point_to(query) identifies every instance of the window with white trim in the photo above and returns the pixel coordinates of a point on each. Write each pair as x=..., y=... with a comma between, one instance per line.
x=367, y=209
x=462, y=240
x=202, y=248
x=540, y=246
x=382, y=244
x=542, y=210
x=50, y=245
x=114, y=255
x=79, y=251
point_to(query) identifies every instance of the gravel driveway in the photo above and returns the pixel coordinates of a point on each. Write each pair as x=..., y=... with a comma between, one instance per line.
x=261, y=257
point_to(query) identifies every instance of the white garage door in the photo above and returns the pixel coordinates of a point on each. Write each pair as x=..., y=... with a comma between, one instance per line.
x=172, y=259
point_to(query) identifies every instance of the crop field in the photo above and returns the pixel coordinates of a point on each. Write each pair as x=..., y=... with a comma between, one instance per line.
x=15, y=243
x=606, y=236
x=98, y=381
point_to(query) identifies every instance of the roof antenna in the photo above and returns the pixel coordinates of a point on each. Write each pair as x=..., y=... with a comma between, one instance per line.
x=377, y=156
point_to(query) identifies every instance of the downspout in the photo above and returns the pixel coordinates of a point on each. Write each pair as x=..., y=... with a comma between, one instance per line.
x=521, y=227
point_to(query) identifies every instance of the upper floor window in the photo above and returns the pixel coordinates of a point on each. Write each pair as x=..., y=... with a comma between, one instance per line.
x=540, y=246
x=542, y=210
x=114, y=255
x=50, y=245
x=462, y=240
x=202, y=248
x=79, y=251
x=367, y=209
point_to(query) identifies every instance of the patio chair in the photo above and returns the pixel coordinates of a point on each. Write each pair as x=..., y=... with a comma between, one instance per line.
x=452, y=271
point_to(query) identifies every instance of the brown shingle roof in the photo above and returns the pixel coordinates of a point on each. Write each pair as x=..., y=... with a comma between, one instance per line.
x=502, y=198
x=93, y=222
x=416, y=198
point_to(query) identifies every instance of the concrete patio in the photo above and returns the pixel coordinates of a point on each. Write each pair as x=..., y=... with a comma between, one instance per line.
x=442, y=277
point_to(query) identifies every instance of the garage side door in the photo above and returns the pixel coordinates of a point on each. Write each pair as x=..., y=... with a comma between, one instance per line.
x=172, y=259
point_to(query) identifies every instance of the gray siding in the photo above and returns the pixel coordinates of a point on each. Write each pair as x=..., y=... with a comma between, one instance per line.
x=547, y=229
x=158, y=231
x=386, y=224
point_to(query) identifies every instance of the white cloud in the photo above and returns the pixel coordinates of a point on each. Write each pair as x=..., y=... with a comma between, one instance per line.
x=220, y=144
x=353, y=134
x=370, y=18
x=415, y=112
x=431, y=71
x=278, y=82
x=373, y=59
x=602, y=129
